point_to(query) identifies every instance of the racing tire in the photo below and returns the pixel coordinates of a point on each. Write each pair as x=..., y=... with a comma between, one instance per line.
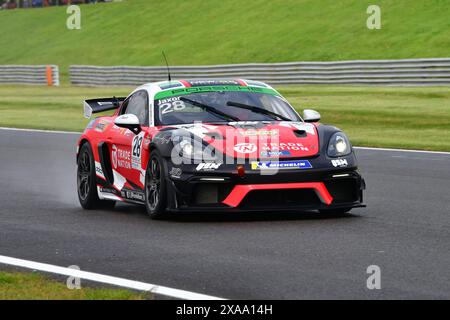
x=340, y=211
x=155, y=186
x=86, y=181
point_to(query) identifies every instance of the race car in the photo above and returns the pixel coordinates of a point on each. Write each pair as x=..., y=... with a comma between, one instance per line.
x=213, y=145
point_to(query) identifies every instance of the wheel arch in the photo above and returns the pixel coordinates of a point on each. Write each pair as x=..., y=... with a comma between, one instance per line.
x=325, y=132
x=81, y=143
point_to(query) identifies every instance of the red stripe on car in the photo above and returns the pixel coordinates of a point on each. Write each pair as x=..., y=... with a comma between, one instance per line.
x=242, y=83
x=185, y=83
x=240, y=191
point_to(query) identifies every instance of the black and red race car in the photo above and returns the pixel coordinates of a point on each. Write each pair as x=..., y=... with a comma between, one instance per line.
x=214, y=145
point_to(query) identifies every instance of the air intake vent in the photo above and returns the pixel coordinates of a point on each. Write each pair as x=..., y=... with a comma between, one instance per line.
x=214, y=135
x=300, y=133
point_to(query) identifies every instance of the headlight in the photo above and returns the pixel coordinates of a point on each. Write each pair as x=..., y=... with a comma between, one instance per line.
x=187, y=149
x=339, y=145
x=196, y=151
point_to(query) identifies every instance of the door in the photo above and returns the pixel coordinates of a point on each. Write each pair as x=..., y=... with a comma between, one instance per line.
x=127, y=152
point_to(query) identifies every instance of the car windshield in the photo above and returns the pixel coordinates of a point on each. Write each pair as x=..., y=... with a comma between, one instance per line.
x=222, y=106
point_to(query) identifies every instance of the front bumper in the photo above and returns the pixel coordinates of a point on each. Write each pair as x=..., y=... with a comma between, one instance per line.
x=225, y=190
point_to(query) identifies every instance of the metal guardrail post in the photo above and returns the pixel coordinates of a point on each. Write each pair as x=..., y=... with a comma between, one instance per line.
x=30, y=74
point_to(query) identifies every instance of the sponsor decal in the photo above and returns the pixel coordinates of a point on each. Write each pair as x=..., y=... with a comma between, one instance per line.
x=208, y=166
x=162, y=139
x=108, y=194
x=168, y=100
x=107, y=190
x=264, y=165
x=121, y=158
x=175, y=172
x=339, y=163
x=101, y=125
x=114, y=156
x=254, y=133
x=136, y=148
x=99, y=171
x=171, y=105
x=123, y=131
x=245, y=148
x=198, y=83
x=282, y=146
x=133, y=195
x=275, y=153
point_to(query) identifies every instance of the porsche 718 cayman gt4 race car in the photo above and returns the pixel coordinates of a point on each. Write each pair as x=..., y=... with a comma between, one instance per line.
x=214, y=145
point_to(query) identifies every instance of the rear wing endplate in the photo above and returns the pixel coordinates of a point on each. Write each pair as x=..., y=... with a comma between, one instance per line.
x=99, y=105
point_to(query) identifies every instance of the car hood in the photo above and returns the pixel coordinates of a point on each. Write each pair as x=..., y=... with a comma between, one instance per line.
x=281, y=139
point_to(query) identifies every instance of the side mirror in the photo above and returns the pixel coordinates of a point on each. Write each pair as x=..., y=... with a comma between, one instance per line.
x=311, y=115
x=129, y=121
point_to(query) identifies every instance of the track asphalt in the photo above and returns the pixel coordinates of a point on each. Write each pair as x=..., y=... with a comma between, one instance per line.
x=405, y=230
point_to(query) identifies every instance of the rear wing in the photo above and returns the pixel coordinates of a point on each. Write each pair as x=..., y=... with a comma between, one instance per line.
x=99, y=105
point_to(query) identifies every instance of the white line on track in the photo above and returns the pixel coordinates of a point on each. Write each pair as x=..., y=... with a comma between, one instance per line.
x=37, y=130
x=403, y=150
x=120, y=282
x=360, y=148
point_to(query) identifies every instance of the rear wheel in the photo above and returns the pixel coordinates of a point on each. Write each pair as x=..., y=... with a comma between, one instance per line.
x=155, y=186
x=335, y=211
x=86, y=184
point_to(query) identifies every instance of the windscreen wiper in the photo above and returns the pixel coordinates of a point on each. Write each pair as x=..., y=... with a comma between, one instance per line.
x=210, y=109
x=257, y=110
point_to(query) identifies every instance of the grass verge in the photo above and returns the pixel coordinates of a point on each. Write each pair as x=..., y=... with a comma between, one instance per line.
x=209, y=32
x=393, y=117
x=34, y=286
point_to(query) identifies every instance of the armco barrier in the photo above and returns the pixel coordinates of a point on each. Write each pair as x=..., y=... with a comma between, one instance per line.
x=30, y=74
x=418, y=72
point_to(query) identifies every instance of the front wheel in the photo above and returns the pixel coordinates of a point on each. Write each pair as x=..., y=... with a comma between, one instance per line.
x=155, y=186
